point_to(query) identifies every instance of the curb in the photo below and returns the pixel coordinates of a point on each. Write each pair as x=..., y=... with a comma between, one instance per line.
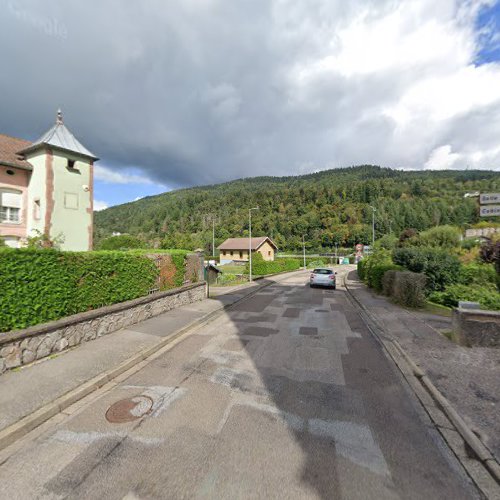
x=480, y=450
x=19, y=429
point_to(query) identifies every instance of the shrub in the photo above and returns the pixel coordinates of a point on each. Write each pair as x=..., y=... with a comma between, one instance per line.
x=362, y=269
x=388, y=241
x=388, y=281
x=440, y=267
x=43, y=285
x=377, y=272
x=261, y=267
x=121, y=242
x=409, y=289
x=478, y=274
x=441, y=236
x=408, y=237
x=486, y=296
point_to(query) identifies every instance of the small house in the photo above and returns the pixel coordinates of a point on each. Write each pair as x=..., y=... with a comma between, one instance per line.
x=236, y=249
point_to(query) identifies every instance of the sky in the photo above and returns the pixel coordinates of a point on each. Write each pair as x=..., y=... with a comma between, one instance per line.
x=193, y=92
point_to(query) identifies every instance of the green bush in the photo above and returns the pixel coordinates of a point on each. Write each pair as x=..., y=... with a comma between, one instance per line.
x=478, y=274
x=441, y=236
x=44, y=285
x=261, y=267
x=388, y=281
x=377, y=272
x=409, y=289
x=486, y=296
x=440, y=267
x=121, y=242
x=362, y=269
x=388, y=241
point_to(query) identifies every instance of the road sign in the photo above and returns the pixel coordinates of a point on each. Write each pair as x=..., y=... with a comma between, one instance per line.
x=489, y=210
x=489, y=198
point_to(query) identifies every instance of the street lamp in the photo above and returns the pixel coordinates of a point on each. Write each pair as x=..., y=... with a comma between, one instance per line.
x=373, y=225
x=250, y=241
x=304, y=251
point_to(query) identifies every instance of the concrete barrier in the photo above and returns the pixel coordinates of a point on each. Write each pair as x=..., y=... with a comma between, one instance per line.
x=476, y=328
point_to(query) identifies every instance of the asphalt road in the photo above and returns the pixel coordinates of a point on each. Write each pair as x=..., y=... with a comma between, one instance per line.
x=287, y=395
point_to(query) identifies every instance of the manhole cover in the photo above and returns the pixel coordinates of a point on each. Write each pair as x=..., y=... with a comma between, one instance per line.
x=127, y=410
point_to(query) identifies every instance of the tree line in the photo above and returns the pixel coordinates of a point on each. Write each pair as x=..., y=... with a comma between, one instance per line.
x=328, y=208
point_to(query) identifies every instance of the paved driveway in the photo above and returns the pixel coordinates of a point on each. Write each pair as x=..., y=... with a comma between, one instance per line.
x=287, y=395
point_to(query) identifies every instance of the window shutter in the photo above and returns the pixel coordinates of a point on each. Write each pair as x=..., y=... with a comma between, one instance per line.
x=10, y=199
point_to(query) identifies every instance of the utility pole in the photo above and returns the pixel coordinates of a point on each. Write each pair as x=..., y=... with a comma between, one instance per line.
x=250, y=242
x=373, y=225
x=304, y=251
x=213, y=236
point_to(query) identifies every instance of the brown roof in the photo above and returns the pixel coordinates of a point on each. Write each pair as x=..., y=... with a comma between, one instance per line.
x=9, y=148
x=242, y=243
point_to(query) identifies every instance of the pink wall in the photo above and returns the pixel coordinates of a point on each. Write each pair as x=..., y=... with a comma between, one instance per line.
x=19, y=181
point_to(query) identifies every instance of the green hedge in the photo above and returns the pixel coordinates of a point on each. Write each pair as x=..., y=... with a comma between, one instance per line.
x=43, y=285
x=409, y=289
x=261, y=267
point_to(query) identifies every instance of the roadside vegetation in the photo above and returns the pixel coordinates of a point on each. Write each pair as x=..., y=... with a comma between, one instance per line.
x=435, y=266
x=45, y=284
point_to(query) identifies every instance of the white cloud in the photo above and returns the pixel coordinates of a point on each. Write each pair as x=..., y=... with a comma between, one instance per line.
x=441, y=158
x=105, y=174
x=100, y=205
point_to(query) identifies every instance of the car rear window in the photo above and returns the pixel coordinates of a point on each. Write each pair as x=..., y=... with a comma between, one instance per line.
x=323, y=271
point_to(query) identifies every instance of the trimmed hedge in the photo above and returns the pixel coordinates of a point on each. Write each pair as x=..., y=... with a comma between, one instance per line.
x=409, y=289
x=261, y=267
x=44, y=285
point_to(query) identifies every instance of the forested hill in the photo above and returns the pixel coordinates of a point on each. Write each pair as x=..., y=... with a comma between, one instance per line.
x=329, y=207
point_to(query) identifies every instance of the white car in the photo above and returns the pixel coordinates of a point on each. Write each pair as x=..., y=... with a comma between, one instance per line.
x=323, y=277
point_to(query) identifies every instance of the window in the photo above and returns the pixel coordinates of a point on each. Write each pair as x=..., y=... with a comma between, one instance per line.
x=11, y=241
x=241, y=254
x=36, y=209
x=231, y=253
x=71, y=201
x=10, y=206
x=269, y=253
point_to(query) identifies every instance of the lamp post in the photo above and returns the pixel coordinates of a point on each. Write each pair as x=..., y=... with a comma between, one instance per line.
x=304, y=251
x=373, y=225
x=250, y=242
x=213, y=236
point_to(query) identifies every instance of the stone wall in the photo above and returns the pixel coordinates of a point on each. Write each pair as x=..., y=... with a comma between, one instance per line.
x=476, y=328
x=21, y=347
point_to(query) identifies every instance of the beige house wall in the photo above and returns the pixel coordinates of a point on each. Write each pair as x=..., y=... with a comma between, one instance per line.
x=267, y=251
x=240, y=255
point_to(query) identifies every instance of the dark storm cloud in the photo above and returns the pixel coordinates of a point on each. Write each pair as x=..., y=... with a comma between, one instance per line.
x=201, y=91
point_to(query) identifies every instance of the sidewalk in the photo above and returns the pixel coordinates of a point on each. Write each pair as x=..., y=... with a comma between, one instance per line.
x=35, y=387
x=468, y=377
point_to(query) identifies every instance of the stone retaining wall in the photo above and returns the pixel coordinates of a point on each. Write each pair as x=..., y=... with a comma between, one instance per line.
x=472, y=327
x=21, y=347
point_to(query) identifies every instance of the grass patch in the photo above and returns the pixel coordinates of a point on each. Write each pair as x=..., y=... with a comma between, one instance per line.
x=232, y=269
x=438, y=309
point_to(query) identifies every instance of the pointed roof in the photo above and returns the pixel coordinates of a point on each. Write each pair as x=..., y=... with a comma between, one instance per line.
x=60, y=137
x=243, y=243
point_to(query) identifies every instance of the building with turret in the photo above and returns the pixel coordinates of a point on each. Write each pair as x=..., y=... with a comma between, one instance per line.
x=46, y=189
